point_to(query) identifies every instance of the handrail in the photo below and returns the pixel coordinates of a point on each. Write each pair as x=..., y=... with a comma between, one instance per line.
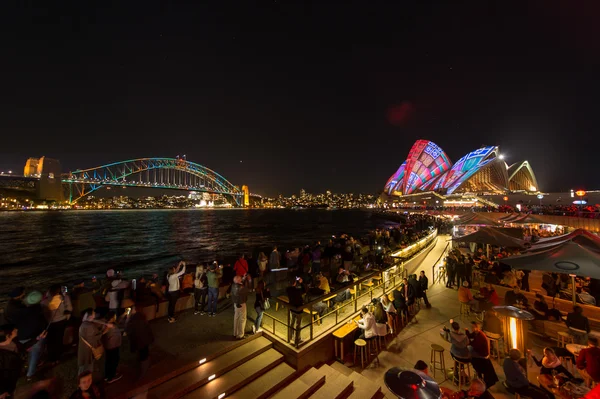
x=435, y=280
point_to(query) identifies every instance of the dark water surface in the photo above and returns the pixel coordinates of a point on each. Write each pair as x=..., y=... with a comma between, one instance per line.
x=41, y=248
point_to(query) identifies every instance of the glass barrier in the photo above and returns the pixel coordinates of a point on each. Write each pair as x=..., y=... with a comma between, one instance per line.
x=327, y=311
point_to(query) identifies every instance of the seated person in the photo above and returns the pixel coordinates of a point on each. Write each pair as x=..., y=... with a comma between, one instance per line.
x=576, y=320
x=343, y=277
x=466, y=296
x=492, y=324
x=516, y=377
x=480, y=355
x=366, y=325
x=422, y=367
x=513, y=297
x=551, y=362
x=588, y=361
x=323, y=283
x=459, y=349
x=542, y=309
x=479, y=390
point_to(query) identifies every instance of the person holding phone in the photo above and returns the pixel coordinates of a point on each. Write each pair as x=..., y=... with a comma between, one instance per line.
x=57, y=308
x=173, y=288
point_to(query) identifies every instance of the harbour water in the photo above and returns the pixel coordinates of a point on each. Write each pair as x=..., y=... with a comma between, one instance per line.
x=42, y=248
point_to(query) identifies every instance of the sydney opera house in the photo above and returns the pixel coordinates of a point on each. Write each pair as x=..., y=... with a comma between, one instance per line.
x=482, y=171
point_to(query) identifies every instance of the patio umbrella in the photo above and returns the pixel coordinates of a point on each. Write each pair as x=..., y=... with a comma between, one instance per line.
x=410, y=385
x=491, y=236
x=579, y=236
x=568, y=257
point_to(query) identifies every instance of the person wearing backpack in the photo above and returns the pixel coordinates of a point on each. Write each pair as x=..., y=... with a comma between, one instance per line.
x=200, y=290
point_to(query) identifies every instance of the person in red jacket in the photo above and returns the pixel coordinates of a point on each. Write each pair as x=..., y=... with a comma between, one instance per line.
x=588, y=361
x=241, y=266
x=480, y=355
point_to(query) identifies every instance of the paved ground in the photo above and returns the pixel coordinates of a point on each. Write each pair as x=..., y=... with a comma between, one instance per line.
x=194, y=337
x=413, y=343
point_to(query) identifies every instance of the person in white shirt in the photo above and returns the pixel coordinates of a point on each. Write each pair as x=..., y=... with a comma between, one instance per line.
x=173, y=290
x=367, y=323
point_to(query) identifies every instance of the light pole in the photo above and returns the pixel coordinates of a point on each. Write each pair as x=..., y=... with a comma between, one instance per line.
x=540, y=196
x=580, y=194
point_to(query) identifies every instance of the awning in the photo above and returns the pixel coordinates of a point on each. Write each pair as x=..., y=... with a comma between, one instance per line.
x=568, y=257
x=477, y=219
x=492, y=236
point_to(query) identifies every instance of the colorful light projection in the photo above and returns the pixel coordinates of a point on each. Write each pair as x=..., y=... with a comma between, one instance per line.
x=394, y=183
x=466, y=167
x=425, y=162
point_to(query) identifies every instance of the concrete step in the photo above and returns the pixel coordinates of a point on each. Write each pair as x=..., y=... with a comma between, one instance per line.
x=363, y=387
x=238, y=377
x=266, y=384
x=197, y=377
x=340, y=368
x=303, y=386
x=337, y=385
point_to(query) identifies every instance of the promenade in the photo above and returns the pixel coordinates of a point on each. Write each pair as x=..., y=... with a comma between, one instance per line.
x=194, y=337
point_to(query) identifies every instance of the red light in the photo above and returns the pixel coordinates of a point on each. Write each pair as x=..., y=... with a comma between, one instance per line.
x=414, y=386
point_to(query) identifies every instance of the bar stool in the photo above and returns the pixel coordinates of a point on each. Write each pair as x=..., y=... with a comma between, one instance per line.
x=360, y=343
x=438, y=350
x=465, y=309
x=494, y=340
x=372, y=343
x=460, y=367
x=382, y=334
x=564, y=338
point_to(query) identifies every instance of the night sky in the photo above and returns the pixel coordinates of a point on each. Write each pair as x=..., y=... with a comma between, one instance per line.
x=281, y=95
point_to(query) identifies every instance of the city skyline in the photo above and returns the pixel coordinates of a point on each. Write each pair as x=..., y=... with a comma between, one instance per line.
x=298, y=95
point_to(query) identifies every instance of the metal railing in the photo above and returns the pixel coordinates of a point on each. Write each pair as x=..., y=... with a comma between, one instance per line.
x=363, y=290
x=441, y=268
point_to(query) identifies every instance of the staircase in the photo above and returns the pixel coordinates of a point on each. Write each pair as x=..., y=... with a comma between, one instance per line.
x=255, y=370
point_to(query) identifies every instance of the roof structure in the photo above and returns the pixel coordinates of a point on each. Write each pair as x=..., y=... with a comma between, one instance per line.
x=427, y=168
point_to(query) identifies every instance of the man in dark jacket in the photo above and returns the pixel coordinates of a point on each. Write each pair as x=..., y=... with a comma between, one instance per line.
x=15, y=304
x=140, y=338
x=424, y=285
x=409, y=292
x=31, y=324
x=294, y=293
x=10, y=361
x=578, y=324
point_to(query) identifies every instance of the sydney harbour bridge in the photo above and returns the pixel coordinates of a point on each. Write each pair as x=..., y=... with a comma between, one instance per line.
x=41, y=176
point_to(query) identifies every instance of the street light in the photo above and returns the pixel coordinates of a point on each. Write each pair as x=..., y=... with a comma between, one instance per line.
x=580, y=194
x=540, y=196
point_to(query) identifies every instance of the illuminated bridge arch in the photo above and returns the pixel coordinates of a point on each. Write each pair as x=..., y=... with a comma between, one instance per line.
x=166, y=173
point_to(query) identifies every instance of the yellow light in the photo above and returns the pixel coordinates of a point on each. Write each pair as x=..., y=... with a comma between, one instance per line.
x=212, y=377
x=202, y=361
x=221, y=396
x=532, y=188
x=513, y=332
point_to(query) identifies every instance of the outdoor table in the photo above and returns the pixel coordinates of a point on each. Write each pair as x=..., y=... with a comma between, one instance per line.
x=341, y=333
x=566, y=391
x=369, y=285
x=575, y=348
x=283, y=299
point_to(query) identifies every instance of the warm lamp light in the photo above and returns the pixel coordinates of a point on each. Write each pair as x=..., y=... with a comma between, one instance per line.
x=580, y=193
x=532, y=188
x=514, y=330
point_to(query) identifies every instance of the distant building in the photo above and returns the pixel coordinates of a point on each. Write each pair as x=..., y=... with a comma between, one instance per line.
x=246, y=192
x=49, y=172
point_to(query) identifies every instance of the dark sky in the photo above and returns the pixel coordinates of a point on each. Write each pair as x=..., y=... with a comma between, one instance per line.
x=329, y=95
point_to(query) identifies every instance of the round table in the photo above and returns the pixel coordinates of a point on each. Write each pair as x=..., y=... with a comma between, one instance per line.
x=546, y=381
x=575, y=348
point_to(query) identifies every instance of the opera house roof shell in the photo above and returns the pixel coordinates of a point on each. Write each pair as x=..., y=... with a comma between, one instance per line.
x=428, y=168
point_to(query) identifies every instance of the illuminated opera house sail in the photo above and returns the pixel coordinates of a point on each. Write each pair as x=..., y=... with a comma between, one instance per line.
x=428, y=168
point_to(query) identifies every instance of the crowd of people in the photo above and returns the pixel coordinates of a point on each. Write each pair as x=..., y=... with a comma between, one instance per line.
x=92, y=316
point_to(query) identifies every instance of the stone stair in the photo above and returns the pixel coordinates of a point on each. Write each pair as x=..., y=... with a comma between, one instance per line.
x=255, y=370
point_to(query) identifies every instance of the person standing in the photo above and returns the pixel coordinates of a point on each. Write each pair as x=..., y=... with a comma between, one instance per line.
x=579, y=325
x=200, y=290
x=213, y=289
x=262, y=294
x=31, y=325
x=57, y=309
x=239, y=295
x=262, y=266
x=588, y=361
x=274, y=259
x=10, y=361
x=140, y=338
x=316, y=258
x=241, y=266
x=90, y=340
x=424, y=285
x=294, y=293
x=173, y=289
x=112, y=343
